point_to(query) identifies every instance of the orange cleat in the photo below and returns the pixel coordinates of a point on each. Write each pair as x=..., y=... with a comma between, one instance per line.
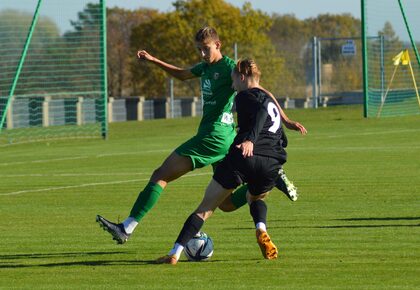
x=268, y=249
x=168, y=259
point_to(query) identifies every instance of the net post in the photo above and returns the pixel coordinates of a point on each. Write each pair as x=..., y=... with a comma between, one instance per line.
x=416, y=52
x=364, y=56
x=104, y=123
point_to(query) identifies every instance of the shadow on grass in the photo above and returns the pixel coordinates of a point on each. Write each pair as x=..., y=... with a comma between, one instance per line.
x=364, y=226
x=327, y=227
x=372, y=225
x=56, y=255
x=81, y=263
x=298, y=226
x=380, y=219
x=96, y=263
x=5, y=262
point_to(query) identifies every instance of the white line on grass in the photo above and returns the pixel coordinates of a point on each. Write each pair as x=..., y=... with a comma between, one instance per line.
x=42, y=160
x=324, y=136
x=90, y=184
x=74, y=174
x=317, y=136
x=133, y=153
x=84, y=157
x=354, y=148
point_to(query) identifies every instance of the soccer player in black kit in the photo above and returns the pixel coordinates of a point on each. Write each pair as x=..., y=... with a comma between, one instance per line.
x=255, y=157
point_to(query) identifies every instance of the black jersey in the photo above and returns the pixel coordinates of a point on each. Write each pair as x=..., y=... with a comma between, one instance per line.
x=259, y=121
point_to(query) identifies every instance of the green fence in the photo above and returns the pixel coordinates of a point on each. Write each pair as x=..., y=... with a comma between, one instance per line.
x=391, y=38
x=52, y=70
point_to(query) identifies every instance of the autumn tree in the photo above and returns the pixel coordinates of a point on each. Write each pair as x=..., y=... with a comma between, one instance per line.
x=14, y=27
x=334, y=26
x=170, y=36
x=120, y=55
x=290, y=37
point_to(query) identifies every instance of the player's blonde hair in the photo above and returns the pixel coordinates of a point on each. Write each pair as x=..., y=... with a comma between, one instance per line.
x=206, y=33
x=248, y=67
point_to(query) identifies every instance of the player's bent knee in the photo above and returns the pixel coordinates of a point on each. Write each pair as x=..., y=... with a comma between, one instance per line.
x=227, y=205
x=252, y=198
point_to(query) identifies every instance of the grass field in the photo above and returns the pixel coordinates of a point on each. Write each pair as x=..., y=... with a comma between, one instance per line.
x=355, y=226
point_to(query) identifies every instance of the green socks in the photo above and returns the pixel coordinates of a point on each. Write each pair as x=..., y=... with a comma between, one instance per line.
x=151, y=193
x=146, y=200
x=238, y=197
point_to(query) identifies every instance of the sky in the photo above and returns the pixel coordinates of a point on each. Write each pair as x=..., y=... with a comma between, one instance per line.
x=302, y=9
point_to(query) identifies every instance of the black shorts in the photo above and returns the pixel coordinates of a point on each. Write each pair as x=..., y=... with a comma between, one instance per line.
x=260, y=172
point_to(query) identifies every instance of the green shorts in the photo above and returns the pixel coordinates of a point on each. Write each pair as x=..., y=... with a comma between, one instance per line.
x=207, y=148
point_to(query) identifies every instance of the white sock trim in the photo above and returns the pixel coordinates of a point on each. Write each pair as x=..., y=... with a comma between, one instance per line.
x=176, y=250
x=130, y=224
x=261, y=226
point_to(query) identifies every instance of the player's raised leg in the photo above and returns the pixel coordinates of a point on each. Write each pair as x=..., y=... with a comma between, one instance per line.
x=172, y=168
x=286, y=186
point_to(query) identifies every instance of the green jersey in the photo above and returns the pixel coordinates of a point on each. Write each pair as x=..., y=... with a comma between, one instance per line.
x=218, y=94
x=217, y=130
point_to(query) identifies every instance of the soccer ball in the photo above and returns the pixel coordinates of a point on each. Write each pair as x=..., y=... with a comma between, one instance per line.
x=199, y=248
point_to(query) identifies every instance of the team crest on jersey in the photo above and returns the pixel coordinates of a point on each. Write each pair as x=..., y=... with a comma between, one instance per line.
x=216, y=75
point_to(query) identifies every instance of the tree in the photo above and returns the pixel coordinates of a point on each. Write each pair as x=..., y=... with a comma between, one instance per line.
x=334, y=26
x=14, y=28
x=169, y=36
x=291, y=38
x=84, y=43
x=121, y=57
x=346, y=71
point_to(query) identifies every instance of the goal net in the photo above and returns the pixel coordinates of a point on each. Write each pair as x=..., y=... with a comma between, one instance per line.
x=391, y=58
x=52, y=70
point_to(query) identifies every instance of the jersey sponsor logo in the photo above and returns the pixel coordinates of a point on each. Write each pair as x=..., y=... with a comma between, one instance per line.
x=227, y=118
x=209, y=102
x=206, y=87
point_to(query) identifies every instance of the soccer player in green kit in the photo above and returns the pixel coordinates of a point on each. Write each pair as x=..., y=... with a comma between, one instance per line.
x=211, y=143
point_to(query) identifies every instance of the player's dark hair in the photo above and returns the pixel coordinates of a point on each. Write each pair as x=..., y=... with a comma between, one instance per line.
x=205, y=33
x=247, y=67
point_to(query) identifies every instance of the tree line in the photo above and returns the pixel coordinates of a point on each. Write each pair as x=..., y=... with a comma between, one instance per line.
x=281, y=45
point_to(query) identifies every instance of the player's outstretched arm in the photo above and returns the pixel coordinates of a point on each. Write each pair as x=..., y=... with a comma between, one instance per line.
x=177, y=72
x=293, y=125
x=290, y=124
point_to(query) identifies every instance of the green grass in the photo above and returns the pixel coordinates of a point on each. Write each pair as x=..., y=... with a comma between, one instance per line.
x=355, y=226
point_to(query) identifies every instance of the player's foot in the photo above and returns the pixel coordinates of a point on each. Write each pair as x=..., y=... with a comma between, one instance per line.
x=116, y=230
x=286, y=186
x=168, y=259
x=268, y=249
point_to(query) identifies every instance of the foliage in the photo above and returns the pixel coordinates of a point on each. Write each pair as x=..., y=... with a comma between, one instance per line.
x=330, y=26
x=290, y=37
x=281, y=45
x=173, y=34
x=120, y=56
x=14, y=28
x=86, y=31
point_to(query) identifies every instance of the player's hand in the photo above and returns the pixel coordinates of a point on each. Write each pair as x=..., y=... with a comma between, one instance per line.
x=144, y=55
x=301, y=128
x=247, y=148
x=292, y=125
